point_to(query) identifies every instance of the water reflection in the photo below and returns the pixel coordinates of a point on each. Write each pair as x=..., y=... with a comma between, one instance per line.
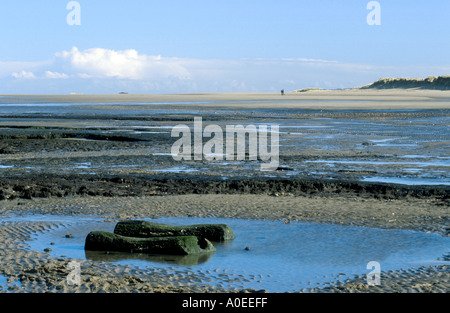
x=119, y=257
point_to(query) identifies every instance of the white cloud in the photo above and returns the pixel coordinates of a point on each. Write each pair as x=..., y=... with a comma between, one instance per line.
x=123, y=64
x=100, y=70
x=55, y=75
x=23, y=75
x=19, y=69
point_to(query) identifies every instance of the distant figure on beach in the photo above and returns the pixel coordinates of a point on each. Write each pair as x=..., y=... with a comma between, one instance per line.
x=282, y=92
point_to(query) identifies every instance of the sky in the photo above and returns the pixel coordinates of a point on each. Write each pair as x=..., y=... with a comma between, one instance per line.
x=179, y=46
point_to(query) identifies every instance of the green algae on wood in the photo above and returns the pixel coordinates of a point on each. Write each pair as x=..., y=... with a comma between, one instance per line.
x=213, y=232
x=177, y=245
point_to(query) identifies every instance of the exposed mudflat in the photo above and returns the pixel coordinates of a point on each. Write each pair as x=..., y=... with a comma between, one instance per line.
x=363, y=159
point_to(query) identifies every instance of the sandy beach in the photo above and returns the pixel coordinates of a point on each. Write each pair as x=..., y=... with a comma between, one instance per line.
x=385, y=99
x=63, y=164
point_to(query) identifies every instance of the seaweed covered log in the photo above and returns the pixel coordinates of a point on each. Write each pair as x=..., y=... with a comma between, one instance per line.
x=177, y=245
x=213, y=232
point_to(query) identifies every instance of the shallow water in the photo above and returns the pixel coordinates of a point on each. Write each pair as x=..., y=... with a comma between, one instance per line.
x=8, y=285
x=418, y=163
x=3, y=281
x=280, y=257
x=407, y=181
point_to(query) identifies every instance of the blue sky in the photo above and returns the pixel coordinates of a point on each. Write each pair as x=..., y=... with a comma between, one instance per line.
x=144, y=46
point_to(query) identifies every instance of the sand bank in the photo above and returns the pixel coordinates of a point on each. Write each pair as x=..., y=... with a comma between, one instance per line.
x=325, y=99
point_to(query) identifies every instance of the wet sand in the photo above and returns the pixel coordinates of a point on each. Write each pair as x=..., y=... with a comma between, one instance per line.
x=35, y=150
x=386, y=99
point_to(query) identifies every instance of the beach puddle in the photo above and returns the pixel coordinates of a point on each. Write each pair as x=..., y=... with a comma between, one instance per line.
x=423, y=171
x=407, y=181
x=268, y=255
x=3, y=282
x=177, y=169
x=374, y=162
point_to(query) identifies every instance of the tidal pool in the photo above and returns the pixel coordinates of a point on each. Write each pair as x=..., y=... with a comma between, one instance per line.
x=268, y=255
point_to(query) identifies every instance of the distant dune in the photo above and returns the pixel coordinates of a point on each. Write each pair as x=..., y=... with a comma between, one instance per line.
x=431, y=82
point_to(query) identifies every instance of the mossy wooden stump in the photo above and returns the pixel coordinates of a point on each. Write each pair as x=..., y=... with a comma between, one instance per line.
x=147, y=237
x=178, y=245
x=212, y=232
